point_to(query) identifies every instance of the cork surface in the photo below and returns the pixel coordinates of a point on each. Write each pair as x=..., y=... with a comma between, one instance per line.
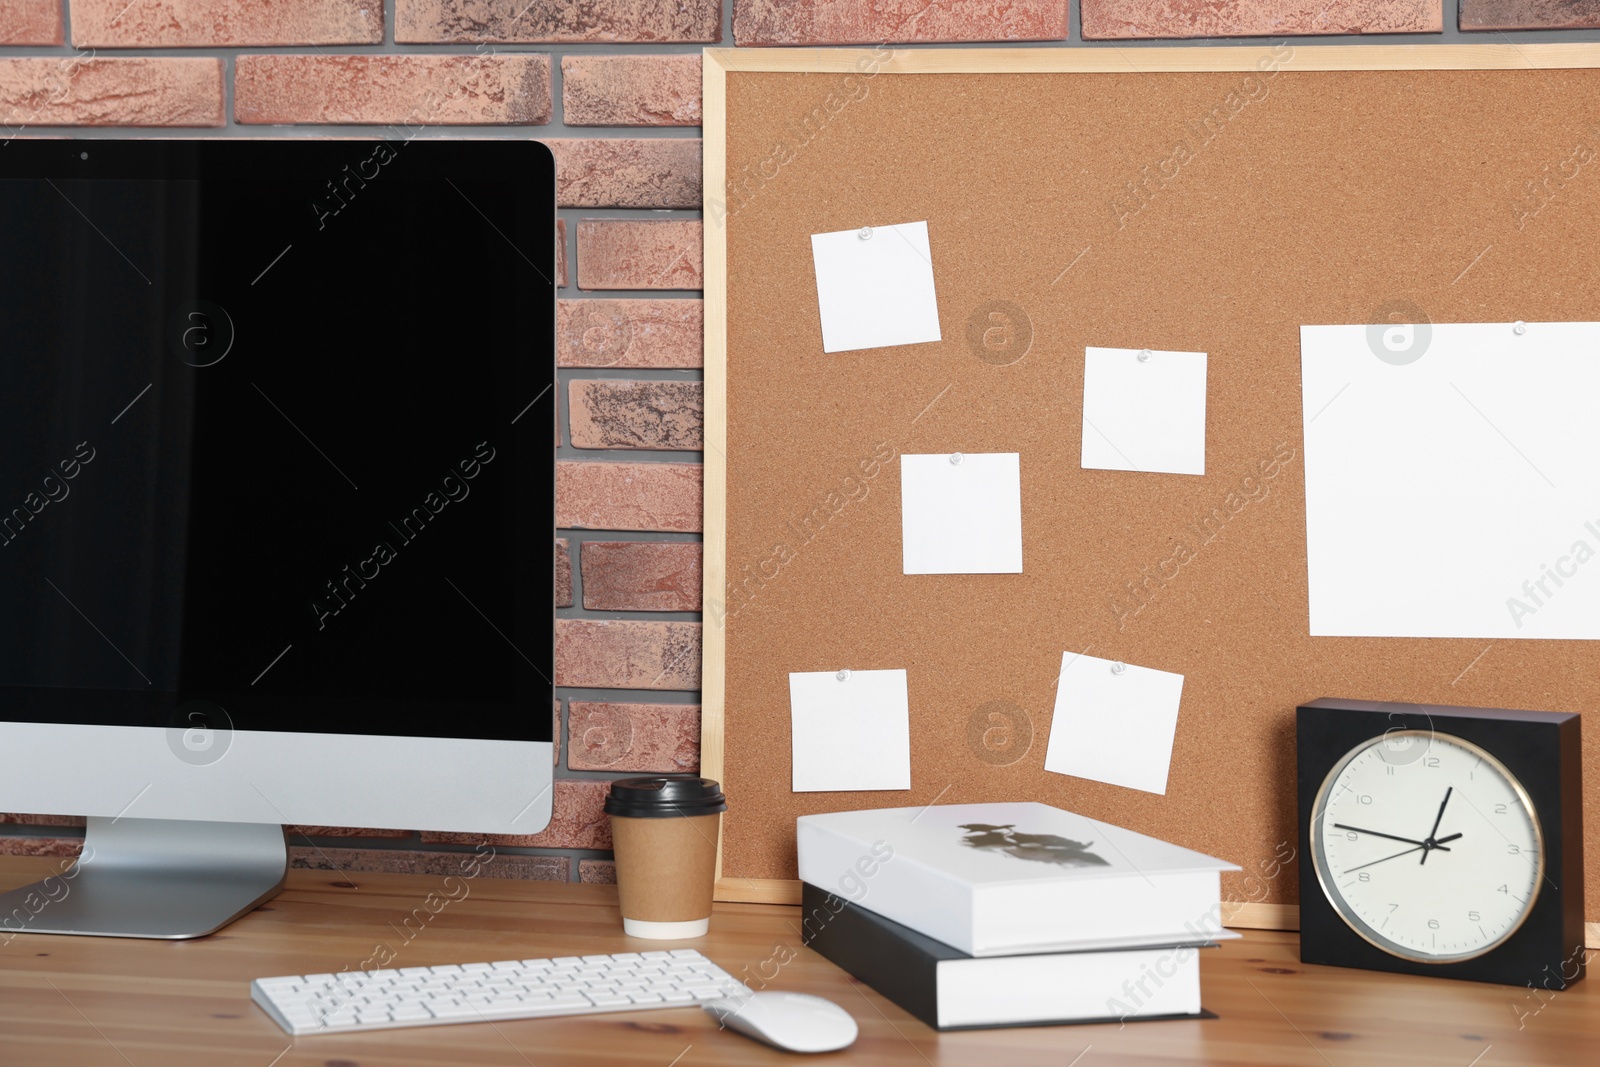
x=1213, y=212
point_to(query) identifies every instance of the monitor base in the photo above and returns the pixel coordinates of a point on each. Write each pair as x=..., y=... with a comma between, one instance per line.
x=154, y=878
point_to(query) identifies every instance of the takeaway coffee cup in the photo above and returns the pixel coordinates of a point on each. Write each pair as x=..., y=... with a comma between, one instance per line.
x=664, y=831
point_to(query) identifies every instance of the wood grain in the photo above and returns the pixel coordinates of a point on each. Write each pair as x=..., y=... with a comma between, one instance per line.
x=101, y=1001
x=1357, y=178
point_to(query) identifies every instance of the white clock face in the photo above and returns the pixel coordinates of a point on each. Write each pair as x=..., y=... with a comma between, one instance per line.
x=1427, y=846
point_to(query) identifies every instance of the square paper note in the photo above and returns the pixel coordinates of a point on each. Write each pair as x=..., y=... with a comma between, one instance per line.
x=875, y=287
x=1114, y=722
x=1144, y=410
x=849, y=733
x=961, y=514
x=1452, y=488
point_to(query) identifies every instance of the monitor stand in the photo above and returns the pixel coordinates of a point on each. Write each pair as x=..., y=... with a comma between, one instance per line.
x=160, y=878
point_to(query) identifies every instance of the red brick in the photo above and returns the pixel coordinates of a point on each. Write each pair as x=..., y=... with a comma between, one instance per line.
x=630, y=90
x=18, y=819
x=617, y=654
x=1103, y=19
x=577, y=820
x=69, y=91
x=609, y=332
x=561, y=253
x=757, y=22
x=623, y=414
x=563, y=573
x=40, y=846
x=555, y=735
x=1526, y=15
x=598, y=872
x=224, y=23
x=30, y=22
x=526, y=21
x=437, y=864
x=345, y=831
x=624, y=254
x=663, y=497
x=627, y=172
x=653, y=738
x=641, y=576
x=402, y=90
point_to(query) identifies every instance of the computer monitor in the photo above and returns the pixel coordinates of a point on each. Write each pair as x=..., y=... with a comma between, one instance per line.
x=277, y=480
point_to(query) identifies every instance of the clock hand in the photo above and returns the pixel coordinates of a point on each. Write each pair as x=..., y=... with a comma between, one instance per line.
x=1374, y=833
x=1440, y=843
x=1407, y=852
x=1437, y=820
x=1397, y=855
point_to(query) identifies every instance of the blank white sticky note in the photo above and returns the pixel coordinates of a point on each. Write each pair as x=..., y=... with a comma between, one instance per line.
x=961, y=514
x=849, y=733
x=1452, y=479
x=875, y=287
x=1144, y=410
x=1114, y=722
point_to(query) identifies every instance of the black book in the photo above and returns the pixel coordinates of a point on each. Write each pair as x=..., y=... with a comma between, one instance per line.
x=950, y=990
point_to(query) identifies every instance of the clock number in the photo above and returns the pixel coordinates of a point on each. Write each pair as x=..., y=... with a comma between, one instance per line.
x=1350, y=835
x=1364, y=798
x=1392, y=907
x=1499, y=809
x=1513, y=850
x=1364, y=877
x=1473, y=916
x=1389, y=769
x=1504, y=890
x=1431, y=761
x=1433, y=924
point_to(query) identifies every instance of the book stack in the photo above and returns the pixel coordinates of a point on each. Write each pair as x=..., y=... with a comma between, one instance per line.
x=983, y=915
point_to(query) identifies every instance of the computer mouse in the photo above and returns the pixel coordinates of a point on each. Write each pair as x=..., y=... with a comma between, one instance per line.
x=794, y=1022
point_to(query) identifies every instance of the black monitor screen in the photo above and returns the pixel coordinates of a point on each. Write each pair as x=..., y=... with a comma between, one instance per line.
x=277, y=425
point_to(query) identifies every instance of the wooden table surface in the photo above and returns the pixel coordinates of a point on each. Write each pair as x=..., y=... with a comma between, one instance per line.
x=127, y=1003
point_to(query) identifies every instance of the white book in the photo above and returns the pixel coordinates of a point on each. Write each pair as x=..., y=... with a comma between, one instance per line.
x=1009, y=879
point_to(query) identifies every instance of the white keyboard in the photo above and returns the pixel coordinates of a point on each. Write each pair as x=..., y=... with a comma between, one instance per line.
x=482, y=992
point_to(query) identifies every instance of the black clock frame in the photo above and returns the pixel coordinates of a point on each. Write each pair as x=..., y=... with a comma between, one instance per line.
x=1542, y=749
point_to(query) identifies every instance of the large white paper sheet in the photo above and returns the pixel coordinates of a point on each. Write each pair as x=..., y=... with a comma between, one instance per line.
x=1453, y=479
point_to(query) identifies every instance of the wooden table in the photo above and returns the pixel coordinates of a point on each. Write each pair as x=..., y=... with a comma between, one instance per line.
x=85, y=1001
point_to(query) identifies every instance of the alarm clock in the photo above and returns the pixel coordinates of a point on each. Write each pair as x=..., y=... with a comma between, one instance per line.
x=1444, y=841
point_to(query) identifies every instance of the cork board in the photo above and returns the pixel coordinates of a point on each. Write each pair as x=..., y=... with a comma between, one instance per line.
x=1197, y=200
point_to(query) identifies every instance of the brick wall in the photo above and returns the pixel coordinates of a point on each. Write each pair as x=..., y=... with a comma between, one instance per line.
x=614, y=87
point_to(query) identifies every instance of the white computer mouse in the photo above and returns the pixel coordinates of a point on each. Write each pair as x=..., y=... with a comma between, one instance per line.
x=794, y=1022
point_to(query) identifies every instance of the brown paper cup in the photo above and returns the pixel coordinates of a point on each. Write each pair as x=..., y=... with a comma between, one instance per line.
x=665, y=874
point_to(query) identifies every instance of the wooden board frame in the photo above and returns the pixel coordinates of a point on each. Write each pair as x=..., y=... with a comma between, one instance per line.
x=720, y=62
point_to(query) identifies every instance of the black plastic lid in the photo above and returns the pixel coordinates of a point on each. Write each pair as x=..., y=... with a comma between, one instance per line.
x=665, y=798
